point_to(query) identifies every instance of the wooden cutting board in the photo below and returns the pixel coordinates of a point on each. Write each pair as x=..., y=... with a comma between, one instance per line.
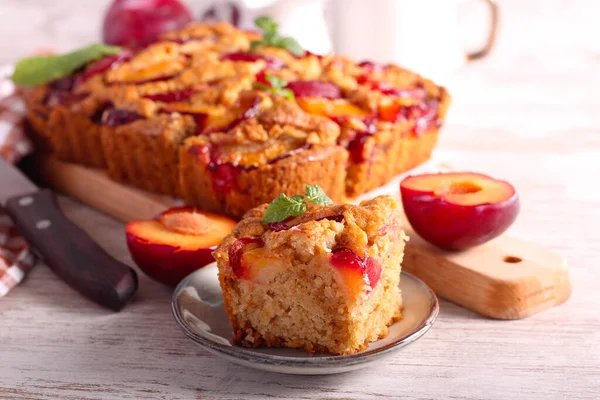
x=505, y=279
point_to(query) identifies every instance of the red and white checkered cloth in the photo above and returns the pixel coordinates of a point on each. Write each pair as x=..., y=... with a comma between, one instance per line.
x=15, y=257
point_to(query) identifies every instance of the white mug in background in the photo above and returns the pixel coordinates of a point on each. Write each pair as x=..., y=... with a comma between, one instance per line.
x=422, y=35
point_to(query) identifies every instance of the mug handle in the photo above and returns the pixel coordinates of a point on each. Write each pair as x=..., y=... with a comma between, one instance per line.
x=491, y=39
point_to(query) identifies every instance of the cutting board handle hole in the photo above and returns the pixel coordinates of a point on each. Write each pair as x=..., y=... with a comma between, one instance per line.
x=512, y=259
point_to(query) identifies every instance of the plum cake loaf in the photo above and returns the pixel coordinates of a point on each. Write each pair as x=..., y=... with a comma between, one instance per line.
x=174, y=118
x=325, y=281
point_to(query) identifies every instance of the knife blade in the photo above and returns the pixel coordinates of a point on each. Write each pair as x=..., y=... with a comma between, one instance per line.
x=70, y=252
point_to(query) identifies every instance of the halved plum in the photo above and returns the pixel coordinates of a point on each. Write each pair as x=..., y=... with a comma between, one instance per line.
x=178, y=242
x=458, y=210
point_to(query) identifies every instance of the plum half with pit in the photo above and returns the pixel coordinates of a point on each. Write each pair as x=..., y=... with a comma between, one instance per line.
x=176, y=243
x=458, y=210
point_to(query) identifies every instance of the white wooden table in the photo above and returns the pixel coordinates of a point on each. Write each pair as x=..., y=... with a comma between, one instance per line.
x=528, y=113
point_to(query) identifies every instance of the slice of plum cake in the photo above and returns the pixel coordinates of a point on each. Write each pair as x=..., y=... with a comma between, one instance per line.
x=325, y=281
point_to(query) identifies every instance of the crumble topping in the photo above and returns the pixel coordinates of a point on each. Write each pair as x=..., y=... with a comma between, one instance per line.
x=362, y=228
x=196, y=57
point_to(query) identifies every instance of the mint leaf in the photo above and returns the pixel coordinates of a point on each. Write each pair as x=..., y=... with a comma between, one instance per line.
x=291, y=45
x=316, y=195
x=267, y=24
x=33, y=71
x=255, y=44
x=285, y=93
x=272, y=38
x=277, y=87
x=261, y=86
x=284, y=207
x=275, y=81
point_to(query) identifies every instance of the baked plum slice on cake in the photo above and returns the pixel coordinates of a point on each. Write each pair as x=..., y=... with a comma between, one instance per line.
x=326, y=280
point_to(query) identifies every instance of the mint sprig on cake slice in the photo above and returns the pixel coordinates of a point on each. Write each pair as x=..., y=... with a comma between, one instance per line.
x=284, y=207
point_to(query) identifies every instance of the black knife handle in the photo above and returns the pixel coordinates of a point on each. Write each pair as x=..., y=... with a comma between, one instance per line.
x=70, y=252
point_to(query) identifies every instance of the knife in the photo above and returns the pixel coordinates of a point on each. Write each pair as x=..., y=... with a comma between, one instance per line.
x=65, y=247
